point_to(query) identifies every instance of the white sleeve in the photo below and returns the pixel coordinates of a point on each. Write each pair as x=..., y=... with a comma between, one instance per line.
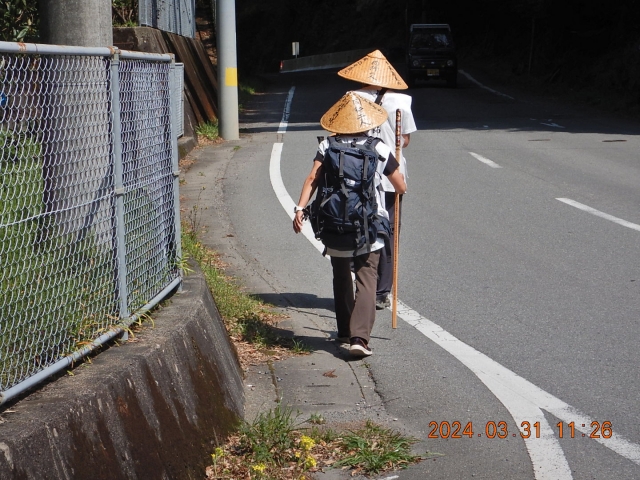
x=394, y=101
x=408, y=123
x=322, y=146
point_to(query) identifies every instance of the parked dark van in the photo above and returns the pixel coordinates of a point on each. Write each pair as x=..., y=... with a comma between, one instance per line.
x=431, y=54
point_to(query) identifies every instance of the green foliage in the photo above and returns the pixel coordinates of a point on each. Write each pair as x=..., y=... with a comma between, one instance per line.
x=124, y=13
x=18, y=20
x=299, y=347
x=56, y=290
x=247, y=88
x=21, y=184
x=316, y=419
x=209, y=130
x=245, y=316
x=270, y=437
x=273, y=447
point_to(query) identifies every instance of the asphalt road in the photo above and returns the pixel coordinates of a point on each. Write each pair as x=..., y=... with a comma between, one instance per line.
x=519, y=274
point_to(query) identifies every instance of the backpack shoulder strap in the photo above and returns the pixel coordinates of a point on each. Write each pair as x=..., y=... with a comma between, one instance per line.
x=373, y=141
x=371, y=144
x=381, y=95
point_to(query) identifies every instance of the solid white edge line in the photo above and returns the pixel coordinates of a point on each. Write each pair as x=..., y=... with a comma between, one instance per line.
x=284, y=123
x=283, y=196
x=518, y=392
x=522, y=399
x=485, y=160
x=600, y=214
x=547, y=457
x=484, y=86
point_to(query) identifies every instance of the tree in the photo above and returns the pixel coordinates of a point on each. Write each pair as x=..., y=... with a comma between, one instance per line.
x=18, y=20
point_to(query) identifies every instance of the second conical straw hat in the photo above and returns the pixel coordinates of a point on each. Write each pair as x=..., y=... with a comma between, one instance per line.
x=353, y=114
x=374, y=69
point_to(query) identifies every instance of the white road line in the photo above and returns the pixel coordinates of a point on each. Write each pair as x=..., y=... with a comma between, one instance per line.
x=285, y=199
x=524, y=400
x=600, y=214
x=287, y=111
x=519, y=396
x=484, y=86
x=555, y=125
x=485, y=160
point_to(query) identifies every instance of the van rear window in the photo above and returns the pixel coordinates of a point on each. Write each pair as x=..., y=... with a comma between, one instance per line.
x=431, y=39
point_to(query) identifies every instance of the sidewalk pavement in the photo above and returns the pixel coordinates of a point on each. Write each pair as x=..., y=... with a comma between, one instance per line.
x=328, y=381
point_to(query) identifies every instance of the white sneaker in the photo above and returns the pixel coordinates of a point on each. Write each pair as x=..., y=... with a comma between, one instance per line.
x=359, y=348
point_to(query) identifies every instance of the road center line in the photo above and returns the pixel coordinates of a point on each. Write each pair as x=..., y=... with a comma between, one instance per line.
x=600, y=214
x=485, y=160
x=524, y=400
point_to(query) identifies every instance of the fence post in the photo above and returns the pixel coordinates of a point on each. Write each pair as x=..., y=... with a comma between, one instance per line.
x=176, y=168
x=121, y=246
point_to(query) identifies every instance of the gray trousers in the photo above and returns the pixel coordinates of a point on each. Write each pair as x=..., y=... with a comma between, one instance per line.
x=355, y=314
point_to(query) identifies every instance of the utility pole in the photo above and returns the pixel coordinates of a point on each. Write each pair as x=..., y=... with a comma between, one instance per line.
x=85, y=23
x=227, y=70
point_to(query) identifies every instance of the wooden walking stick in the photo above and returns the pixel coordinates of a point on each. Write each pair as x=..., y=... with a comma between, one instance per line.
x=396, y=228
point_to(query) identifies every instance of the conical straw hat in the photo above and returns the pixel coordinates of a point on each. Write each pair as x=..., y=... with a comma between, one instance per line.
x=353, y=114
x=374, y=69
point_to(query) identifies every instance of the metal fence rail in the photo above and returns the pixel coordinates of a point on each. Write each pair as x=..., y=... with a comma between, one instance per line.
x=89, y=221
x=177, y=87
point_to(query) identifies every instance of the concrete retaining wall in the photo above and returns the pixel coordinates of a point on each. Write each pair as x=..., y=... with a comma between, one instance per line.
x=324, y=61
x=153, y=408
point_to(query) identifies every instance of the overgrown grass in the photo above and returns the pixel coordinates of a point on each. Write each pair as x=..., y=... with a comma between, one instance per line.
x=56, y=288
x=270, y=438
x=208, y=130
x=373, y=449
x=246, y=89
x=249, y=321
x=277, y=445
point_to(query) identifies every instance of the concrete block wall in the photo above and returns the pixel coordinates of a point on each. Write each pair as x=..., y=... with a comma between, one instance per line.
x=152, y=408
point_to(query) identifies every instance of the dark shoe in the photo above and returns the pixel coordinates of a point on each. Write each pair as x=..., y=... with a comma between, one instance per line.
x=382, y=303
x=343, y=339
x=359, y=348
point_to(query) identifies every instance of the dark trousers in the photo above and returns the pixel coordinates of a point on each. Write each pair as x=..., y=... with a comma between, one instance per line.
x=385, y=267
x=355, y=314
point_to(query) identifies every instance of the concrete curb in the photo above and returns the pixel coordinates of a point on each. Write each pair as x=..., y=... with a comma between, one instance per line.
x=151, y=408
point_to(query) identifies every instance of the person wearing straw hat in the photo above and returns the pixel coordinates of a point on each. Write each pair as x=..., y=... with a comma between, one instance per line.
x=379, y=80
x=350, y=119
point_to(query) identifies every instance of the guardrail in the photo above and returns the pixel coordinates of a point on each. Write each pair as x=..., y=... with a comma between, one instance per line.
x=89, y=204
x=322, y=61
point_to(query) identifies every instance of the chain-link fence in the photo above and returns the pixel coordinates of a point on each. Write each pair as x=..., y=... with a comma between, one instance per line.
x=89, y=216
